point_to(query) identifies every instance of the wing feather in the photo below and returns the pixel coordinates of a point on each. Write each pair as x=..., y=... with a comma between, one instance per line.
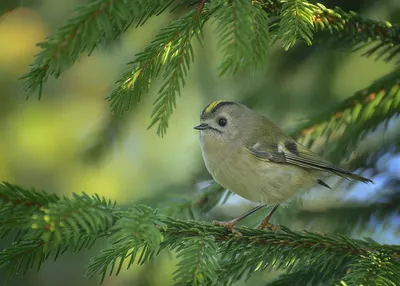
x=289, y=151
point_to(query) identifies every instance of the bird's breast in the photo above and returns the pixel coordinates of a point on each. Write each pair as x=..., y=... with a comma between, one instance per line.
x=254, y=179
x=214, y=155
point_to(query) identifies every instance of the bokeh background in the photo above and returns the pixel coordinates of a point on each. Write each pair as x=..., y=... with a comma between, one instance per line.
x=69, y=142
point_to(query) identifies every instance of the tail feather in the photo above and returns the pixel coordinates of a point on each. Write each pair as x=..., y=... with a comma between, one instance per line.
x=349, y=175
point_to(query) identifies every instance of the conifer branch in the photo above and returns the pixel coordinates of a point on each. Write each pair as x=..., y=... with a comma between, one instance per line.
x=305, y=277
x=296, y=20
x=134, y=234
x=98, y=22
x=374, y=268
x=242, y=256
x=139, y=234
x=286, y=249
x=177, y=60
x=198, y=262
x=339, y=26
x=68, y=219
x=48, y=222
x=260, y=40
x=22, y=256
x=283, y=238
x=357, y=115
x=18, y=206
x=359, y=32
x=172, y=51
x=242, y=31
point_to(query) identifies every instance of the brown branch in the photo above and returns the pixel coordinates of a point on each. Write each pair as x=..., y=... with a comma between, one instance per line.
x=199, y=8
x=19, y=202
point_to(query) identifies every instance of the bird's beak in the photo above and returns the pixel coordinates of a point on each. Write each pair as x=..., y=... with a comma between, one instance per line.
x=202, y=126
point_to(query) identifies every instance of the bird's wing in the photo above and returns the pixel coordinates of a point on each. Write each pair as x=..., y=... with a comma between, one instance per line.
x=288, y=151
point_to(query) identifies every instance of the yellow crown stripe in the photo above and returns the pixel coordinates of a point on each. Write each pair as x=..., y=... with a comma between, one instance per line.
x=211, y=106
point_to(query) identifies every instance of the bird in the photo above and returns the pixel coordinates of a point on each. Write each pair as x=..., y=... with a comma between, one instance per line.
x=251, y=156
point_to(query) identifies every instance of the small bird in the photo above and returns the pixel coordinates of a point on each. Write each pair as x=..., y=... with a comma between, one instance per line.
x=251, y=156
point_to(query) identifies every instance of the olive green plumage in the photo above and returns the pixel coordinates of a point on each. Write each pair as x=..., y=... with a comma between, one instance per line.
x=248, y=154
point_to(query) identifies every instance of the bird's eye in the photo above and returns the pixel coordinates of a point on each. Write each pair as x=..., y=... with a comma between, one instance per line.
x=222, y=122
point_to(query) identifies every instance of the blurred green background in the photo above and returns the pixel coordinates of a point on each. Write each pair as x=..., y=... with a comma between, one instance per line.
x=68, y=141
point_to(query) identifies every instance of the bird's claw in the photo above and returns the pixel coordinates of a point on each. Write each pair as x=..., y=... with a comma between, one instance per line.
x=229, y=225
x=267, y=224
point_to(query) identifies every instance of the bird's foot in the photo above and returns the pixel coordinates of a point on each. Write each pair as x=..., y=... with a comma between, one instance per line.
x=266, y=224
x=229, y=225
x=270, y=226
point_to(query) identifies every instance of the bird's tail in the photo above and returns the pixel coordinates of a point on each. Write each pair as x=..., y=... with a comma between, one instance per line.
x=349, y=175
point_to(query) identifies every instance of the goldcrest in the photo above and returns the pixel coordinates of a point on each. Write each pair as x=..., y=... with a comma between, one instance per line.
x=252, y=157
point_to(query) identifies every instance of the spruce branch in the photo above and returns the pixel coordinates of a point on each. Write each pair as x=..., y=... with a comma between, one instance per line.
x=288, y=250
x=375, y=268
x=139, y=234
x=17, y=206
x=98, y=22
x=17, y=196
x=22, y=256
x=242, y=32
x=355, y=116
x=71, y=220
x=338, y=26
x=135, y=233
x=27, y=254
x=349, y=27
x=301, y=278
x=49, y=223
x=171, y=51
x=260, y=40
x=296, y=20
x=198, y=262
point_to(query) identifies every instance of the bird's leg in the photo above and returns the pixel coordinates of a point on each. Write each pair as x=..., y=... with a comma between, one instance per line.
x=231, y=224
x=265, y=222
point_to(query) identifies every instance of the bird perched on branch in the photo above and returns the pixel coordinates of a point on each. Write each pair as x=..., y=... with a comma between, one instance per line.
x=251, y=156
